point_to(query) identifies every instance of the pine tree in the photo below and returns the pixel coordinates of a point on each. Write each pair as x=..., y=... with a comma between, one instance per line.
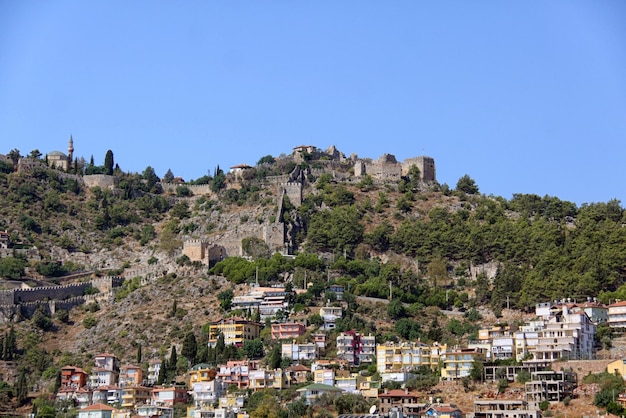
x=169, y=176
x=139, y=353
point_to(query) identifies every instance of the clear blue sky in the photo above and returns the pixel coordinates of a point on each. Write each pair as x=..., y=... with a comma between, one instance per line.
x=525, y=97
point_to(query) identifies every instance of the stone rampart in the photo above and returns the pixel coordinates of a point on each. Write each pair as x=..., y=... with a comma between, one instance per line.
x=107, y=283
x=102, y=181
x=147, y=272
x=196, y=189
x=293, y=190
x=49, y=292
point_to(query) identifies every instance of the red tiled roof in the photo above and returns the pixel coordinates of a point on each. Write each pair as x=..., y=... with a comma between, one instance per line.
x=99, y=407
x=397, y=393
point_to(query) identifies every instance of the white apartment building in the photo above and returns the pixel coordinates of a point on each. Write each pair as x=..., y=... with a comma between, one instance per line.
x=299, y=352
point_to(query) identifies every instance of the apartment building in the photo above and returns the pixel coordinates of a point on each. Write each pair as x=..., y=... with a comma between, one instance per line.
x=565, y=335
x=105, y=371
x=617, y=314
x=287, y=330
x=356, y=348
x=458, y=364
x=130, y=376
x=235, y=331
x=205, y=385
x=300, y=352
x=262, y=379
x=406, y=356
x=551, y=385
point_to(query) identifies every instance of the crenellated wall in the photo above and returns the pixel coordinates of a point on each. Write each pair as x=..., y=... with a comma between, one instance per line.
x=25, y=302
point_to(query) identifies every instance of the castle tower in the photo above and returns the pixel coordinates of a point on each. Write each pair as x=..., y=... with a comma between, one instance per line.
x=70, y=151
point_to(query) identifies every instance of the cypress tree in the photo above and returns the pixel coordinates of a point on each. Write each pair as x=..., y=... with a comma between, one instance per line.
x=108, y=163
x=21, y=388
x=173, y=359
x=162, y=372
x=190, y=347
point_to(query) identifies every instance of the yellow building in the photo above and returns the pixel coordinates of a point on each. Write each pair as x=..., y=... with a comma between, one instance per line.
x=368, y=387
x=618, y=366
x=235, y=331
x=135, y=395
x=267, y=379
x=458, y=364
x=405, y=356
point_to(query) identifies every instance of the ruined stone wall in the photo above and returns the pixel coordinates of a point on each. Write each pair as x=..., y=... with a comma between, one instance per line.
x=196, y=189
x=274, y=236
x=32, y=254
x=426, y=165
x=100, y=180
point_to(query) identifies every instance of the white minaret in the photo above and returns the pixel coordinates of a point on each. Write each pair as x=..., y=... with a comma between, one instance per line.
x=70, y=151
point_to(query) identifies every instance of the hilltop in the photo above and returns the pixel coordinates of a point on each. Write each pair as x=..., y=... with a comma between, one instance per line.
x=454, y=259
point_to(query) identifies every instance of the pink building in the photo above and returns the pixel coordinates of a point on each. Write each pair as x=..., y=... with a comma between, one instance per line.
x=287, y=331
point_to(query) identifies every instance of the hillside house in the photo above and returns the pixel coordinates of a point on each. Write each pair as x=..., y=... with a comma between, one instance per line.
x=235, y=331
x=311, y=392
x=111, y=395
x=330, y=314
x=236, y=372
x=130, y=376
x=300, y=352
x=73, y=377
x=566, y=335
x=133, y=396
x=262, y=379
x=205, y=385
x=98, y=410
x=617, y=366
x=356, y=348
x=105, y=372
x=442, y=411
x=297, y=374
x=402, y=400
x=458, y=364
x=5, y=240
x=169, y=396
x=154, y=368
x=404, y=356
x=287, y=330
x=617, y=314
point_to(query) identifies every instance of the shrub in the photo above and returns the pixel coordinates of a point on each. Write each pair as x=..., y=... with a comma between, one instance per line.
x=90, y=322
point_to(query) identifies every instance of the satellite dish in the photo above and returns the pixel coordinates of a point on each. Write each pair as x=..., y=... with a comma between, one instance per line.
x=372, y=409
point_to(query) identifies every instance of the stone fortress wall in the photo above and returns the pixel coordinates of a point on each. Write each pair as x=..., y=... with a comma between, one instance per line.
x=388, y=168
x=25, y=302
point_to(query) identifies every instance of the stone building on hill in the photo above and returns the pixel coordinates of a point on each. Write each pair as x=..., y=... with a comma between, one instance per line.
x=388, y=168
x=58, y=160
